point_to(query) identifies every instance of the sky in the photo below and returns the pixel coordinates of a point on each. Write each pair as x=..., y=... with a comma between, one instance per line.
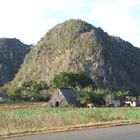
x=29, y=20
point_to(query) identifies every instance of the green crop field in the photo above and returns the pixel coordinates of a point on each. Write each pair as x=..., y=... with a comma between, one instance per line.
x=42, y=119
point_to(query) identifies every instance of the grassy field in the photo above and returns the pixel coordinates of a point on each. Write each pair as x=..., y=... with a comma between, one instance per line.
x=37, y=119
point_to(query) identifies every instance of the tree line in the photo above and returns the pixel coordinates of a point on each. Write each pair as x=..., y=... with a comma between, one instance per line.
x=80, y=82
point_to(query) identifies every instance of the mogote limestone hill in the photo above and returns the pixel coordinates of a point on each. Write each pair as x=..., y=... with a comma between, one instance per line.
x=77, y=46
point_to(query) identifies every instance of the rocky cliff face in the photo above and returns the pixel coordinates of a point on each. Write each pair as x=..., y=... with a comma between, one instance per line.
x=75, y=46
x=12, y=53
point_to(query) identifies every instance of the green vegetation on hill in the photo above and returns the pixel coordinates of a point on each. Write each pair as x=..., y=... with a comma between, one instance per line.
x=76, y=46
x=72, y=80
x=65, y=48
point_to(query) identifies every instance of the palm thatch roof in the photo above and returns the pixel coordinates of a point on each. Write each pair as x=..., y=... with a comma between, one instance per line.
x=63, y=97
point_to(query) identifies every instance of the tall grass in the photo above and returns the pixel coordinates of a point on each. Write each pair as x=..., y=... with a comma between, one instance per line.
x=24, y=120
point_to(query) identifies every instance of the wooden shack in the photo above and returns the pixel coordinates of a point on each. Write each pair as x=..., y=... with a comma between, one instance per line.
x=64, y=97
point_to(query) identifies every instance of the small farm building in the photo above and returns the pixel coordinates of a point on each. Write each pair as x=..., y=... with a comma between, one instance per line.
x=132, y=101
x=64, y=97
x=4, y=98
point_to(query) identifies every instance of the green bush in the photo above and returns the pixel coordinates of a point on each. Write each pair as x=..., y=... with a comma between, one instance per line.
x=97, y=96
x=121, y=94
x=29, y=90
x=65, y=79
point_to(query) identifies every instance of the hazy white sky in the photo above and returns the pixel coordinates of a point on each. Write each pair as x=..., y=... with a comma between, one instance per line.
x=29, y=20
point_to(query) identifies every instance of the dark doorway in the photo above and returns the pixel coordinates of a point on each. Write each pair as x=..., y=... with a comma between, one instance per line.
x=57, y=104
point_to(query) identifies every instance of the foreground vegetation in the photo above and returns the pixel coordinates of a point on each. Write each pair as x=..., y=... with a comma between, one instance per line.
x=84, y=86
x=43, y=119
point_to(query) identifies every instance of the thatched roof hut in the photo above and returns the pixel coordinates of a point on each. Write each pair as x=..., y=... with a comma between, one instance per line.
x=63, y=97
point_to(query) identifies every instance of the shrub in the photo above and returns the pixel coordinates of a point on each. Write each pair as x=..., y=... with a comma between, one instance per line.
x=97, y=96
x=73, y=80
x=29, y=90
